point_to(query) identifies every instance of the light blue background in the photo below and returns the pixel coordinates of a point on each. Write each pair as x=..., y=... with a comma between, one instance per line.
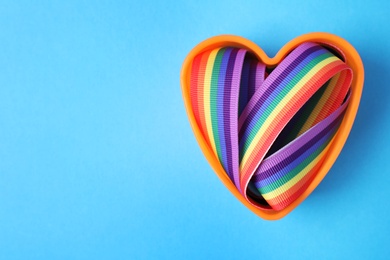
x=97, y=158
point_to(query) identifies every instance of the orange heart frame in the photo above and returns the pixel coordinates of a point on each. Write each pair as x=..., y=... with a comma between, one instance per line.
x=352, y=59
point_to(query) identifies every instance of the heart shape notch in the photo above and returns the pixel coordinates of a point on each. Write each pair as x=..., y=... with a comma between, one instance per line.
x=337, y=45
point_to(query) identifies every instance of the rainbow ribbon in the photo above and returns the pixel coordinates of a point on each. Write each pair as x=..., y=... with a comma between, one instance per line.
x=270, y=128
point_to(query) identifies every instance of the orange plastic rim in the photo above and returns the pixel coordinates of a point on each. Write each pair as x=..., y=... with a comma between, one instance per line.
x=351, y=57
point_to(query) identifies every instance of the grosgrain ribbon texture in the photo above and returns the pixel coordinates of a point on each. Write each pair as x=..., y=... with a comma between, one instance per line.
x=272, y=128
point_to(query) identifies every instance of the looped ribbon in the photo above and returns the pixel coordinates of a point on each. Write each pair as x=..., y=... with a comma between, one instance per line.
x=270, y=128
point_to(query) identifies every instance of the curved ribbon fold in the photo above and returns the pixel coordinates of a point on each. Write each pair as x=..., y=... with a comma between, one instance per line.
x=270, y=129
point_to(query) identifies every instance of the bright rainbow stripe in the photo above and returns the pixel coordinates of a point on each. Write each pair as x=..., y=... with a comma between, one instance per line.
x=242, y=114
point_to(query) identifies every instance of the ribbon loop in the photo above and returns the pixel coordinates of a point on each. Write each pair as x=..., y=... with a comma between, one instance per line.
x=270, y=132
